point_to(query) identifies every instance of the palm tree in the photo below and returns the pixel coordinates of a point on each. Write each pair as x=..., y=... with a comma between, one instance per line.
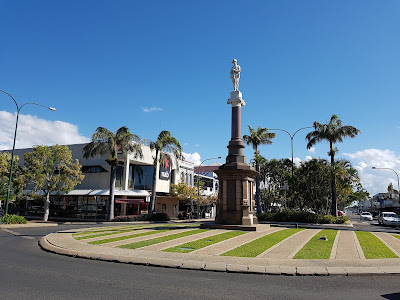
x=166, y=147
x=261, y=136
x=332, y=132
x=106, y=142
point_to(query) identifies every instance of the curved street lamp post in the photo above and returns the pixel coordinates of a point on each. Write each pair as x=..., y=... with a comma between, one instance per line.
x=15, y=137
x=198, y=185
x=291, y=143
x=398, y=183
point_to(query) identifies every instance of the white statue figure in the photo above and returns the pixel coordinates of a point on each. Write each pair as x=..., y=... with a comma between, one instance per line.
x=235, y=75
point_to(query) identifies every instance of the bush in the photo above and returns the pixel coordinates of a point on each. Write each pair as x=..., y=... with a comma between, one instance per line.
x=13, y=219
x=301, y=217
x=158, y=217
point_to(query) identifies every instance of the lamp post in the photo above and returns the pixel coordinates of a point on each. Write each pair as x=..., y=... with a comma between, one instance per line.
x=198, y=185
x=291, y=143
x=15, y=137
x=398, y=183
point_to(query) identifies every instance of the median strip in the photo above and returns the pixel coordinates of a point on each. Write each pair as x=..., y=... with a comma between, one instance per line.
x=319, y=247
x=260, y=245
x=373, y=247
x=195, y=245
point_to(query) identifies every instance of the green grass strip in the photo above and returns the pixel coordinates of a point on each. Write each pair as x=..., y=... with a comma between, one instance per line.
x=396, y=236
x=109, y=229
x=318, y=249
x=373, y=247
x=125, y=237
x=110, y=232
x=195, y=245
x=162, y=239
x=260, y=245
x=127, y=228
x=105, y=234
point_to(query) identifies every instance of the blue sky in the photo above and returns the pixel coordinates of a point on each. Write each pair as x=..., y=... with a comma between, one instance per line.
x=108, y=63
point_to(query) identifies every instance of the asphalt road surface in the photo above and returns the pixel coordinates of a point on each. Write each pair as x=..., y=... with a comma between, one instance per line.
x=27, y=272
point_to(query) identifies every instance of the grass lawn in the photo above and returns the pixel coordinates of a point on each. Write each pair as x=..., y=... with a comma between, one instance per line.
x=102, y=233
x=161, y=239
x=195, y=245
x=396, y=236
x=260, y=245
x=373, y=247
x=318, y=249
x=125, y=237
x=108, y=229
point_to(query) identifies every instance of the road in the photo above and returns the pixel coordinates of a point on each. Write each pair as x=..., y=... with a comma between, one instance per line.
x=28, y=272
x=373, y=225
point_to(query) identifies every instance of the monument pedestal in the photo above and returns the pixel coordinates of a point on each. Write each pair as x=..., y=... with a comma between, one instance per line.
x=235, y=204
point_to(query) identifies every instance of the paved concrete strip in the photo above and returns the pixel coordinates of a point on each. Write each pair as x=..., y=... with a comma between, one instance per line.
x=346, y=246
x=143, y=238
x=266, y=252
x=182, y=240
x=296, y=242
x=358, y=246
x=335, y=245
x=235, y=242
x=321, y=271
x=390, y=241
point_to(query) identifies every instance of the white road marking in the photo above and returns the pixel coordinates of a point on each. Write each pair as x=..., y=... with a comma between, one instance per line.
x=27, y=237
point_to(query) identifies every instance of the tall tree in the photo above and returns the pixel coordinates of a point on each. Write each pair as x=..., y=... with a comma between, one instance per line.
x=258, y=137
x=51, y=169
x=106, y=142
x=333, y=132
x=166, y=147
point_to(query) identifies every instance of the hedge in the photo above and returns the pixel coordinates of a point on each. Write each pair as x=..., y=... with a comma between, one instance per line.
x=158, y=217
x=13, y=219
x=301, y=217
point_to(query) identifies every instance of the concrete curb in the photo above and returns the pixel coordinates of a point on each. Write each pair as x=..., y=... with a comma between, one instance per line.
x=212, y=265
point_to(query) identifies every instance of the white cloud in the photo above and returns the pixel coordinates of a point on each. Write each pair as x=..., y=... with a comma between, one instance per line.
x=297, y=161
x=193, y=157
x=312, y=150
x=147, y=109
x=35, y=131
x=308, y=157
x=376, y=181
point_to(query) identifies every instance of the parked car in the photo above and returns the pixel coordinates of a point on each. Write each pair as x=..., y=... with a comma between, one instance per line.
x=366, y=216
x=389, y=218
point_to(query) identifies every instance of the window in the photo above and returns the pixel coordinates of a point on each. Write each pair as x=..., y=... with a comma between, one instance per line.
x=93, y=169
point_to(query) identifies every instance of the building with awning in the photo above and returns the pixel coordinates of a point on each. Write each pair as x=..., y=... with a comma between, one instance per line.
x=134, y=179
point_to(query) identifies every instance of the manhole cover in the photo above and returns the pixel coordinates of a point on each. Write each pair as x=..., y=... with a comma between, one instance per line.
x=209, y=241
x=186, y=248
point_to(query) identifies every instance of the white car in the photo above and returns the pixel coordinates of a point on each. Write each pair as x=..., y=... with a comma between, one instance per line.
x=389, y=218
x=366, y=216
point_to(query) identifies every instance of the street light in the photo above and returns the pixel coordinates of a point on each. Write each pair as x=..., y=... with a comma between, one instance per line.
x=291, y=142
x=198, y=185
x=15, y=137
x=398, y=185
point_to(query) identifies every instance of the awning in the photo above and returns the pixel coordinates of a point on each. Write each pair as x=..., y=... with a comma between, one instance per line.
x=132, y=201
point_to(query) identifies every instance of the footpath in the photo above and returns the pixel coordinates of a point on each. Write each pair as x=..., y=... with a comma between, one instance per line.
x=346, y=259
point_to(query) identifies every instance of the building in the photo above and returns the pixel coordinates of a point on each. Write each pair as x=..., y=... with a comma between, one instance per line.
x=132, y=188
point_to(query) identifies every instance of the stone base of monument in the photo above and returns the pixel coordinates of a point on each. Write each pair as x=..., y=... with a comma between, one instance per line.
x=257, y=227
x=235, y=204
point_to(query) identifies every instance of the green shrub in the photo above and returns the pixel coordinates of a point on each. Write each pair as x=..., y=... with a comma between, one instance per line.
x=301, y=217
x=13, y=219
x=158, y=217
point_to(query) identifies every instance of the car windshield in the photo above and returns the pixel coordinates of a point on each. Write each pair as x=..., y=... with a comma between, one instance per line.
x=390, y=215
x=366, y=214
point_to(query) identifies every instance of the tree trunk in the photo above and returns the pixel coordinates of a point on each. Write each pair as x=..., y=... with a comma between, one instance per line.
x=113, y=175
x=46, y=207
x=333, y=183
x=153, y=186
x=258, y=200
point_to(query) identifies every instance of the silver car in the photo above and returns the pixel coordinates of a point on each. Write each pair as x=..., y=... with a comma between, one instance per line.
x=389, y=218
x=366, y=216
